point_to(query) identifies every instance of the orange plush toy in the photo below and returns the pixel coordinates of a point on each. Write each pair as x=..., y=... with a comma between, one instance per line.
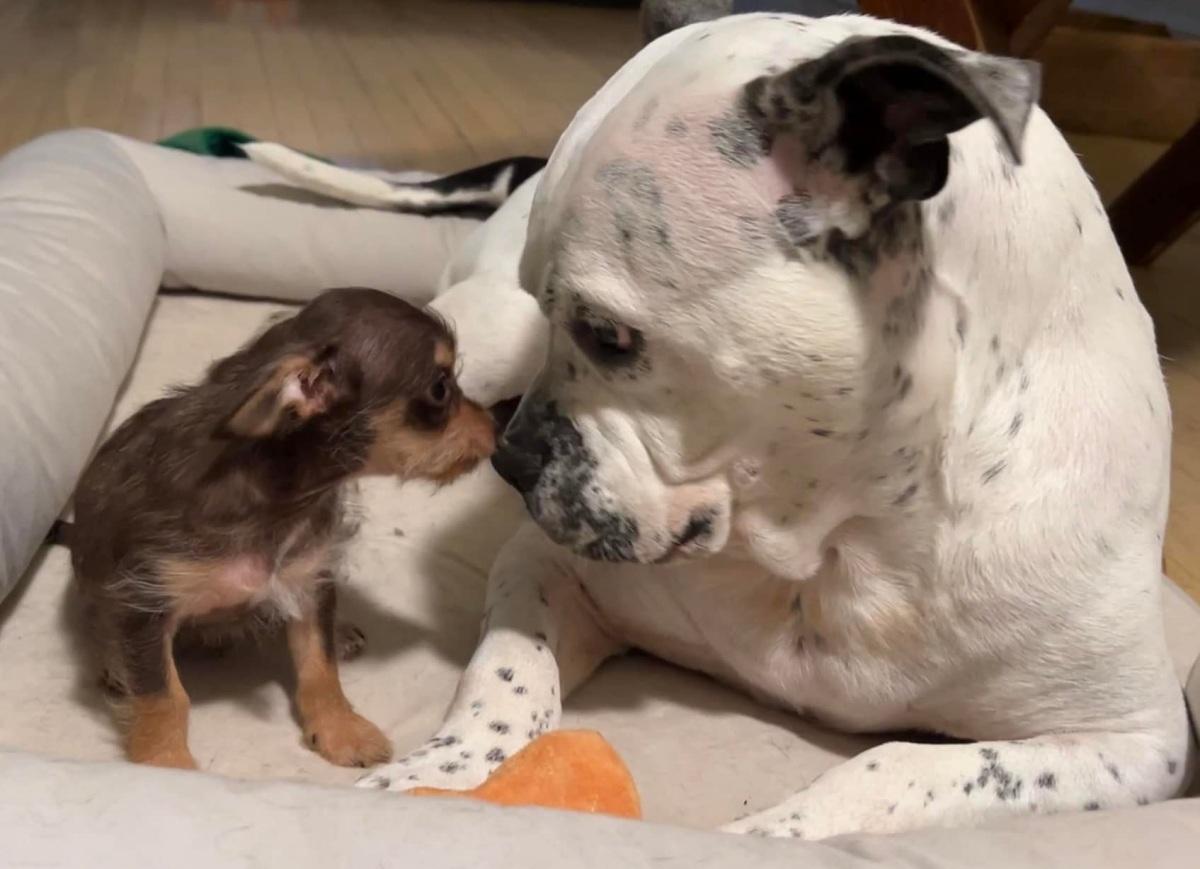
x=575, y=770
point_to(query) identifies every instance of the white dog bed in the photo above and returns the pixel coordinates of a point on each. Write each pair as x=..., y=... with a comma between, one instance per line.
x=90, y=224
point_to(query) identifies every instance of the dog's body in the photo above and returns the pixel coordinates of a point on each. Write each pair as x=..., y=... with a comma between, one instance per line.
x=222, y=504
x=867, y=424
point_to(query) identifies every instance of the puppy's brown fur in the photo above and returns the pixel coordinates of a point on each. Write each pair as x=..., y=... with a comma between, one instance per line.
x=225, y=500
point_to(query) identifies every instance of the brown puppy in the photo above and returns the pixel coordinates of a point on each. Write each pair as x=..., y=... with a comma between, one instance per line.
x=225, y=499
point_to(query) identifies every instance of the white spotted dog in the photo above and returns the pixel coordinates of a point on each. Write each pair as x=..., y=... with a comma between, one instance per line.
x=848, y=400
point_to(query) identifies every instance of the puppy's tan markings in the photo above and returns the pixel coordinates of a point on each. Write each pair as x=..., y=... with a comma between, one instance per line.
x=331, y=726
x=157, y=727
x=442, y=456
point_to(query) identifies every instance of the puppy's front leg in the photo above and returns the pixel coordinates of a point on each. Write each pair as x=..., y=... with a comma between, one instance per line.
x=331, y=726
x=158, y=705
x=539, y=640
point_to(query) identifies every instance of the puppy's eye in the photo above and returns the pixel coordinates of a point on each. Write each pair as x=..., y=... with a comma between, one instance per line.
x=439, y=393
x=606, y=342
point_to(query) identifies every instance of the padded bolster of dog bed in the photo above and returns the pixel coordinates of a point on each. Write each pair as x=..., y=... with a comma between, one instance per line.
x=110, y=815
x=81, y=252
x=90, y=225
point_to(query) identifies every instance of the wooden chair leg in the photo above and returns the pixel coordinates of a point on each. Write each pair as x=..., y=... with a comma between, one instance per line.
x=1013, y=27
x=1160, y=205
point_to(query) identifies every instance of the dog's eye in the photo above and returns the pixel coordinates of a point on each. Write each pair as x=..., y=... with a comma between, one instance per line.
x=606, y=342
x=439, y=393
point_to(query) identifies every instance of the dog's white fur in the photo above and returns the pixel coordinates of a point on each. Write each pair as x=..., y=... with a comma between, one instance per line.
x=983, y=562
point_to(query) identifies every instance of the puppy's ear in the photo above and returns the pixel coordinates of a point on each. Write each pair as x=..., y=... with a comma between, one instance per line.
x=889, y=102
x=296, y=388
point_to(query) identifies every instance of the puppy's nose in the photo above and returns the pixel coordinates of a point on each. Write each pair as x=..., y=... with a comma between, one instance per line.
x=503, y=411
x=517, y=467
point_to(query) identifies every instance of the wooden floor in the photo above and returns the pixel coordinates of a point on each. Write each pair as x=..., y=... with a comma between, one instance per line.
x=439, y=84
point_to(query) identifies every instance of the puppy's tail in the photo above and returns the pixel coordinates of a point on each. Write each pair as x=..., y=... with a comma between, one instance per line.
x=59, y=534
x=473, y=192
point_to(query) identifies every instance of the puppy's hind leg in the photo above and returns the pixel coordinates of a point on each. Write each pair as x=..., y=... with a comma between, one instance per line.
x=157, y=705
x=539, y=641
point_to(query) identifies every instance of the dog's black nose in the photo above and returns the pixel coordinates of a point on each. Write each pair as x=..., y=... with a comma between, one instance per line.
x=517, y=467
x=503, y=411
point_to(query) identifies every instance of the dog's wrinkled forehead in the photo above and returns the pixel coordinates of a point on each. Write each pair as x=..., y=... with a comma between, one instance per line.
x=670, y=183
x=726, y=142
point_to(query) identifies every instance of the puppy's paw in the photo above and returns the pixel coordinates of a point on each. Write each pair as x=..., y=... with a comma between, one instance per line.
x=346, y=738
x=350, y=641
x=168, y=758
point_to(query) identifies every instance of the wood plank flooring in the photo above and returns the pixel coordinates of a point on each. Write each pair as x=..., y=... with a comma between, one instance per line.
x=440, y=85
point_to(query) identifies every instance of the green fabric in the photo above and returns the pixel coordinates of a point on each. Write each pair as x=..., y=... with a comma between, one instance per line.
x=209, y=141
x=216, y=142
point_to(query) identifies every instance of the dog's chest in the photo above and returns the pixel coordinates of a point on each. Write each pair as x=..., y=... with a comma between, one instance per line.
x=767, y=635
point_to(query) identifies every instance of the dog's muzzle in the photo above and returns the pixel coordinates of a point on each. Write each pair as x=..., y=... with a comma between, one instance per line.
x=518, y=466
x=516, y=460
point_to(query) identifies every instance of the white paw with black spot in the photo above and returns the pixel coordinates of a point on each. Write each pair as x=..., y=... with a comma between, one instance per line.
x=442, y=762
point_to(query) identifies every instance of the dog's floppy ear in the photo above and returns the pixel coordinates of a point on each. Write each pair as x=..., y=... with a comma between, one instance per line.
x=889, y=102
x=295, y=388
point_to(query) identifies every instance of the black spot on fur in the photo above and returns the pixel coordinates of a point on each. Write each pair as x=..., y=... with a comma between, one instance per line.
x=960, y=326
x=995, y=344
x=1015, y=425
x=505, y=673
x=738, y=136
x=676, y=128
x=646, y=113
x=822, y=432
x=498, y=727
x=450, y=766
x=1114, y=772
x=905, y=496
x=521, y=689
x=1078, y=223
x=793, y=214
x=994, y=471
x=1172, y=766
x=1091, y=807
x=945, y=211
x=872, y=766
x=968, y=787
x=636, y=197
x=496, y=755
x=1048, y=781
x=1120, y=293
x=1007, y=785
